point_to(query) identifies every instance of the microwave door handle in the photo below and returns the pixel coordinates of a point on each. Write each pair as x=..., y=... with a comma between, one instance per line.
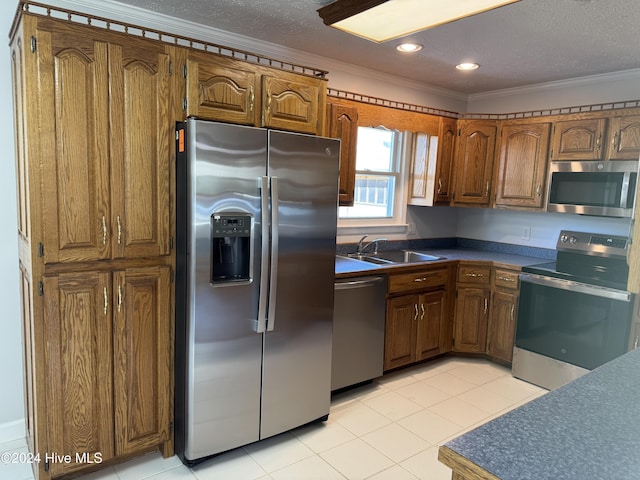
x=264, y=255
x=275, y=234
x=624, y=191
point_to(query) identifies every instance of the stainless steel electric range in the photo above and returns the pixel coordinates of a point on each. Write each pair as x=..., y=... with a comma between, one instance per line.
x=575, y=313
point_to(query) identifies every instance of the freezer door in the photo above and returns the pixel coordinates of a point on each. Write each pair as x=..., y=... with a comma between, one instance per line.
x=225, y=163
x=297, y=351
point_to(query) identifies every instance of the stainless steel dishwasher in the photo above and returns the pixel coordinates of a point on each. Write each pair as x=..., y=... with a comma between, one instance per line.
x=358, y=330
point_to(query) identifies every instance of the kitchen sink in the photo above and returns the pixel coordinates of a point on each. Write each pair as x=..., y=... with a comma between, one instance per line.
x=396, y=257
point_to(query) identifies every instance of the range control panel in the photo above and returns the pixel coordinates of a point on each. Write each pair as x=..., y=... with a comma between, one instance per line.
x=592, y=243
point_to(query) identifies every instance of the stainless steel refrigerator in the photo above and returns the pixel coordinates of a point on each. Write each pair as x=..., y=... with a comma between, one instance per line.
x=256, y=231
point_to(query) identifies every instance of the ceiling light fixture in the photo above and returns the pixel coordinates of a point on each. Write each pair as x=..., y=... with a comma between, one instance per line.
x=409, y=47
x=467, y=66
x=382, y=20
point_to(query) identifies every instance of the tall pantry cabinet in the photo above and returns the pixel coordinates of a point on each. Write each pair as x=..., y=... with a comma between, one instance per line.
x=94, y=163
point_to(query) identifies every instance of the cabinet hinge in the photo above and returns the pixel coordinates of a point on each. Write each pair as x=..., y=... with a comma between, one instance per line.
x=173, y=276
x=551, y=155
x=170, y=243
x=34, y=44
x=184, y=103
x=46, y=465
x=170, y=427
x=40, y=288
x=459, y=132
x=184, y=71
x=40, y=249
x=170, y=69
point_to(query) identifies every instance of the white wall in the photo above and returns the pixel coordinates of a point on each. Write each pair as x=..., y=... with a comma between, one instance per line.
x=596, y=89
x=507, y=226
x=11, y=401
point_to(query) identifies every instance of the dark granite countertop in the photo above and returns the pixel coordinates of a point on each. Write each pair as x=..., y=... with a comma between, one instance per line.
x=586, y=430
x=351, y=266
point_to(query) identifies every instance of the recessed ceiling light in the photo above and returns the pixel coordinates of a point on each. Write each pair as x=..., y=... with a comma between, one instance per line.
x=467, y=66
x=409, y=47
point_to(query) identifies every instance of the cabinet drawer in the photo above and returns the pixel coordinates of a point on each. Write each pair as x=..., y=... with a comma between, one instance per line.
x=474, y=274
x=418, y=280
x=506, y=279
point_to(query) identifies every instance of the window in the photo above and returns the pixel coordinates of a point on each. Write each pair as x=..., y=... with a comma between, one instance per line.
x=377, y=176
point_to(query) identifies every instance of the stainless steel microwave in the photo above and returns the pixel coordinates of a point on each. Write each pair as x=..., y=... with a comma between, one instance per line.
x=593, y=188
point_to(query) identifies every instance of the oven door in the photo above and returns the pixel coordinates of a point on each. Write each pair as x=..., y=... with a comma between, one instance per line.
x=574, y=323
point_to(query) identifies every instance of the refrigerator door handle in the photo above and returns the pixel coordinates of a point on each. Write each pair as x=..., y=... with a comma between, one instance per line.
x=273, y=283
x=264, y=258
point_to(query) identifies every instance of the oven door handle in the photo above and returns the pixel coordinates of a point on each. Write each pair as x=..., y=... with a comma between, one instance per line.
x=577, y=287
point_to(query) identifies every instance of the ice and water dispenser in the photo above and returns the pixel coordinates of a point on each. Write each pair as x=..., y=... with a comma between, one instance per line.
x=230, y=248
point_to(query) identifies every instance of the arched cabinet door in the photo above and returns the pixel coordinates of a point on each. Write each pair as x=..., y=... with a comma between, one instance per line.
x=474, y=162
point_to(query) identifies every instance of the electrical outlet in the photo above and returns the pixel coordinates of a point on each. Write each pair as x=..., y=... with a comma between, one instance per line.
x=526, y=233
x=411, y=228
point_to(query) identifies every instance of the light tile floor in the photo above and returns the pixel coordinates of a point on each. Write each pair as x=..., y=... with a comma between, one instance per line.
x=389, y=429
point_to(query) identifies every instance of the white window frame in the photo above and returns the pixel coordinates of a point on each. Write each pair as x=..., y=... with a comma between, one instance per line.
x=398, y=222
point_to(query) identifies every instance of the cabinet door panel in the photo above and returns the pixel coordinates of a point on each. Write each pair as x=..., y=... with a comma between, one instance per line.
x=343, y=124
x=74, y=96
x=578, y=139
x=432, y=312
x=472, y=312
x=625, y=138
x=474, y=163
x=446, y=151
x=523, y=161
x=143, y=358
x=79, y=349
x=140, y=141
x=218, y=91
x=291, y=104
x=399, y=348
x=500, y=336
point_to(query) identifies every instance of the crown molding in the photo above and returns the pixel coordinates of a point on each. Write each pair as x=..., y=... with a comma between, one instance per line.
x=633, y=74
x=165, y=23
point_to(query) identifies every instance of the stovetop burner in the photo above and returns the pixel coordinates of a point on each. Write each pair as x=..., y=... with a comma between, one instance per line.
x=595, y=259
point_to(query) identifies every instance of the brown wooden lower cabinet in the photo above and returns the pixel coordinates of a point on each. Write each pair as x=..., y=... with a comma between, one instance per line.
x=504, y=310
x=109, y=365
x=418, y=316
x=485, y=310
x=414, y=328
x=472, y=314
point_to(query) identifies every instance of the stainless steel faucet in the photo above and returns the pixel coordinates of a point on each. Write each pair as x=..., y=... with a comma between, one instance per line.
x=363, y=246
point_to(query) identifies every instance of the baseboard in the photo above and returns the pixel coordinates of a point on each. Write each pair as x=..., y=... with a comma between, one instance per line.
x=11, y=431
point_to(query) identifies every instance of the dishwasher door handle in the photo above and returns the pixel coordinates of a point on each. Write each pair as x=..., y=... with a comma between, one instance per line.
x=360, y=283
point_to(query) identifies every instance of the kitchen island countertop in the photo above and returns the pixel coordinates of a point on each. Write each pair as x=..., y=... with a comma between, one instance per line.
x=586, y=430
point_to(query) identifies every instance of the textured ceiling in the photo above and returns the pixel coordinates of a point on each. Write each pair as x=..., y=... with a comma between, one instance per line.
x=528, y=42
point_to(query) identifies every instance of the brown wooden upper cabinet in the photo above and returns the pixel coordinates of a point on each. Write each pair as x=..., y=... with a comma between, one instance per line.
x=473, y=165
x=234, y=91
x=590, y=139
x=578, y=139
x=522, y=166
x=431, y=164
x=444, y=166
x=624, y=138
x=342, y=123
x=105, y=104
